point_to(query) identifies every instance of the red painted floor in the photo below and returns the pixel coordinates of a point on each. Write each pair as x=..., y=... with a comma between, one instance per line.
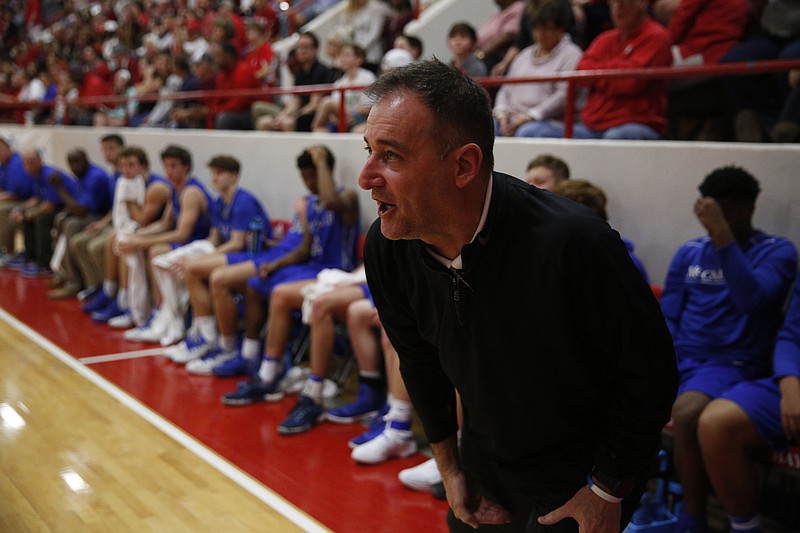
x=313, y=470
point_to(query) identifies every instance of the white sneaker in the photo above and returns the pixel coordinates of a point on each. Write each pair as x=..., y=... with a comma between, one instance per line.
x=174, y=333
x=188, y=350
x=422, y=476
x=152, y=331
x=205, y=366
x=123, y=321
x=391, y=443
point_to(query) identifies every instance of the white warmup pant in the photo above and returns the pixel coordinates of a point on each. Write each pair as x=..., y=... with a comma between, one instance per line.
x=174, y=296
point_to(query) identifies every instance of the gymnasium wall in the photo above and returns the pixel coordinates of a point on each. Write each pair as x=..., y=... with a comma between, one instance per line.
x=651, y=186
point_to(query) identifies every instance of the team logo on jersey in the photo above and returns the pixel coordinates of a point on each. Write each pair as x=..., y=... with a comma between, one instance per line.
x=707, y=276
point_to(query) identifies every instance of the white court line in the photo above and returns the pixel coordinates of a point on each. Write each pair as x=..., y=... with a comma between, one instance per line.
x=121, y=356
x=252, y=486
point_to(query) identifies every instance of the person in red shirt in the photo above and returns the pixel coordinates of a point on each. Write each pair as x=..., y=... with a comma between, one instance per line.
x=88, y=84
x=624, y=108
x=258, y=52
x=233, y=112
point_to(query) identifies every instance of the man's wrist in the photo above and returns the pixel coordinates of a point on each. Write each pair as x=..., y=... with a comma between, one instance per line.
x=602, y=493
x=616, y=487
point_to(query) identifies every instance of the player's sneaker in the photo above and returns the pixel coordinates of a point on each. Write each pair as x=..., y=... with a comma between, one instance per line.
x=97, y=303
x=17, y=263
x=150, y=331
x=238, y=366
x=89, y=293
x=390, y=443
x=368, y=403
x=108, y=312
x=305, y=414
x=206, y=364
x=421, y=477
x=33, y=270
x=252, y=391
x=194, y=347
x=375, y=428
x=123, y=321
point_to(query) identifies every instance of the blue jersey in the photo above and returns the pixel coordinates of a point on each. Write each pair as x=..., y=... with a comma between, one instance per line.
x=334, y=243
x=14, y=179
x=787, y=348
x=92, y=191
x=203, y=225
x=44, y=191
x=726, y=304
x=238, y=214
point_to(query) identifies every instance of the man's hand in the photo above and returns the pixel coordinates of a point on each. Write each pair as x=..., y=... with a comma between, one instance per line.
x=17, y=215
x=319, y=156
x=55, y=179
x=790, y=407
x=264, y=270
x=593, y=514
x=469, y=506
x=710, y=214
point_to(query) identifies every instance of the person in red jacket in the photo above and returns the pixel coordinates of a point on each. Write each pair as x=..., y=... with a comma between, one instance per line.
x=703, y=31
x=88, y=84
x=233, y=112
x=624, y=108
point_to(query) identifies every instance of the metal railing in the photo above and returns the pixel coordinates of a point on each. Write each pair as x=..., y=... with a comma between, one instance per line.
x=573, y=79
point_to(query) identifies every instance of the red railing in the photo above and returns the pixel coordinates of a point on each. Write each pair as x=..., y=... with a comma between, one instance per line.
x=573, y=78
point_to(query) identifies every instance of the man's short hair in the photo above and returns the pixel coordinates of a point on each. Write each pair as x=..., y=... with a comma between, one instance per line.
x=312, y=36
x=115, y=138
x=585, y=193
x=459, y=106
x=137, y=152
x=730, y=182
x=304, y=160
x=464, y=29
x=415, y=43
x=177, y=152
x=358, y=51
x=556, y=165
x=225, y=162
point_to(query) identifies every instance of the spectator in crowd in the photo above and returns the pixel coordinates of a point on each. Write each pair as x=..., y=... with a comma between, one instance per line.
x=623, y=108
x=441, y=232
x=123, y=59
x=461, y=43
x=232, y=214
x=525, y=37
x=194, y=113
x=356, y=103
x=187, y=219
x=497, y=33
x=178, y=72
x=363, y=23
x=702, y=32
x=36, y=215
x=330, y=240
x=258, y=52
x=298, y=111
x=87, y=84
x=87, y=248
x=401, y=14
x=587, y=193
x=118, y=113
x=750, y=417
x=520, y=108
x=761, y=101
x=410, y=43
x=394, y=58
x=15, y=187
x=233, y=112
x=190, y=39
x=546, y=171
x=87, y=200
x=722, y=300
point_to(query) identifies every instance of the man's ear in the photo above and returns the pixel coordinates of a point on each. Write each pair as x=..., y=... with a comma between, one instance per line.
x=469, y=160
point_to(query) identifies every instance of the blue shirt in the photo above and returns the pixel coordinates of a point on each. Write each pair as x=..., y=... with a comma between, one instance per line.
x=14, y=179
x=334, y=243
x=238, y=214
x=203, y=225
x=44, y=191
x=787, y=348
x=726, y=304
x=93, y=191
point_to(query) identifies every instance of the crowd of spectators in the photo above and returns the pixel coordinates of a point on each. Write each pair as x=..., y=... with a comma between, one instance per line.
x=146, y=49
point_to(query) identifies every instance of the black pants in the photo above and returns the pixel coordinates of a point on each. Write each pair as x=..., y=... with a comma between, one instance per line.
x=39, y=240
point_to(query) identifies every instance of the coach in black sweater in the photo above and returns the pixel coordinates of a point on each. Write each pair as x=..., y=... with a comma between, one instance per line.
x=524, y=302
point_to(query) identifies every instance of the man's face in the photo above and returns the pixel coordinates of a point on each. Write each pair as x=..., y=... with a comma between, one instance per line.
x=175, y=170
x=310, y=179
x=541, y=177
x=222, y=180
x=305, y=51
x=130, y=167
x=110, y=151
x=460, y=44
x=77, y=164
x=32, y=163
x=405, y=169
x=627, y=14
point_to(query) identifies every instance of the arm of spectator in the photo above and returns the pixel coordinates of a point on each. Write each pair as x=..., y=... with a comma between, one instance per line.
x=683, y=17
x=499, y=42
x=500, y=68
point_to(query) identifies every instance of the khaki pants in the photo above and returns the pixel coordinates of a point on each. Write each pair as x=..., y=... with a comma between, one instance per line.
x=7, y=228
x=89, y=252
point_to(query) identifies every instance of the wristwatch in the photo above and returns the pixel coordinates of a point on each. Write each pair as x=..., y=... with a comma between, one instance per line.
x=614, y=486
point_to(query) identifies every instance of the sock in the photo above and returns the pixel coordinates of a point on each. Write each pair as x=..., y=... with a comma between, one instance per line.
x=207, y=327
x=374, y=382
x=750, y=523
x=251, y=349
x=110, y=288
x=313, y=388
x=227, y=343
x=268, y=370
x=122, y=299
x=400, y=411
